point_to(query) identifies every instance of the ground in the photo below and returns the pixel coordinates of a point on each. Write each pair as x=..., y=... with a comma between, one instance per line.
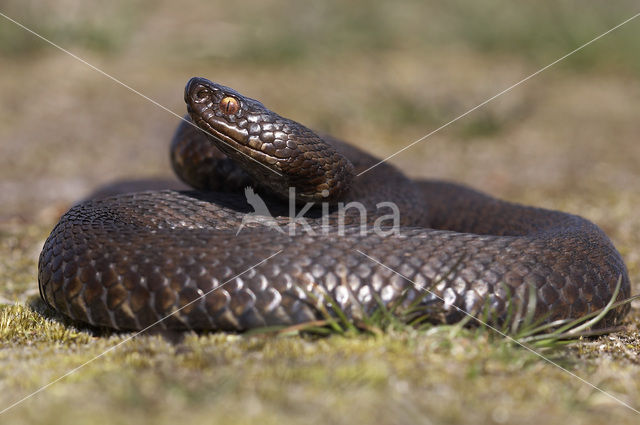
x=380, y=75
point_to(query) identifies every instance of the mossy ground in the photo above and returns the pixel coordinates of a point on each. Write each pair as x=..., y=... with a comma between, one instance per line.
x=380, y=75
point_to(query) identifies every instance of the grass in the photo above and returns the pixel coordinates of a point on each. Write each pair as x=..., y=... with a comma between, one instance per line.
x=267, y=377
x=512, y=327
x=74, y=25
x=379, y=74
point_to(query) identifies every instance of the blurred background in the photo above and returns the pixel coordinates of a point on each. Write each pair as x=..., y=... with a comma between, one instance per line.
x=378, y=74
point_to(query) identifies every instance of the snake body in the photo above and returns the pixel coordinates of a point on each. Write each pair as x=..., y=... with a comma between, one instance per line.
x=175, y=259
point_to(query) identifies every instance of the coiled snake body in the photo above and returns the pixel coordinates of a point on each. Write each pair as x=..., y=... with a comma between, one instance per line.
x=130, y=260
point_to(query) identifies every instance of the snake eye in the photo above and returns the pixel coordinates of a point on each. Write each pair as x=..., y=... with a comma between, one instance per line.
x=229, y=105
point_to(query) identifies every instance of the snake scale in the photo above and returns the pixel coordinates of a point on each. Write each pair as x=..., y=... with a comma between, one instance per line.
x=130, y=260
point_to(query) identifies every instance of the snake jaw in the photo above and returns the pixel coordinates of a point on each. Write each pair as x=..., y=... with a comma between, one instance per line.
x=291, y=154
x=203, y=98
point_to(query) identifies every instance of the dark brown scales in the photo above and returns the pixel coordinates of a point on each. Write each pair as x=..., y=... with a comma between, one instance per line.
x=128, y=261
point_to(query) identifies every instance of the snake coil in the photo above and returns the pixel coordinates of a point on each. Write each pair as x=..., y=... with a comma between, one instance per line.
x=130, y=260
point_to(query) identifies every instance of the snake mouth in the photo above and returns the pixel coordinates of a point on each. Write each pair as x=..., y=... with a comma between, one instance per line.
x=224, y=114
x=290, y=155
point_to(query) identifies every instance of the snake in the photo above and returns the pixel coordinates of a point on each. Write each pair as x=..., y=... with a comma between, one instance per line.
x=343, y=234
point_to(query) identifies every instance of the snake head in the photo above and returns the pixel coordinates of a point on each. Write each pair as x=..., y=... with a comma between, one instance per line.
x=276, y=152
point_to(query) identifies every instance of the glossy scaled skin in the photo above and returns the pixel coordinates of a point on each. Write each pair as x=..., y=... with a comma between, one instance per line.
x=126, y=262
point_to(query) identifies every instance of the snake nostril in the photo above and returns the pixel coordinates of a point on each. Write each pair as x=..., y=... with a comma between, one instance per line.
x=201, y=94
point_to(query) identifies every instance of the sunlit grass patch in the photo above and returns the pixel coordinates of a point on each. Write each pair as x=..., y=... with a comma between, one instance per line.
x=22, y=325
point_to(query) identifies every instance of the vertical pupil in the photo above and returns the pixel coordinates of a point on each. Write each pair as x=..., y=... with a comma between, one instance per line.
x=229, y=105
